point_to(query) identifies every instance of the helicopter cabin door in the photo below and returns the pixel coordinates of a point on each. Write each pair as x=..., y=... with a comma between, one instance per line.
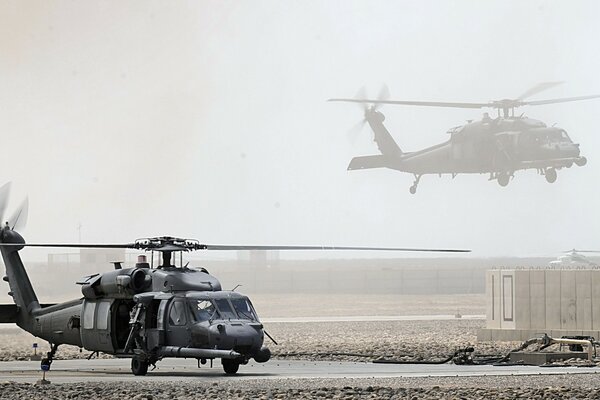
x=96, y=326
x=463, y=150
x=178, y=331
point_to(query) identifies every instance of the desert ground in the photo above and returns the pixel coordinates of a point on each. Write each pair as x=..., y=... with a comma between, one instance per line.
x=353, y=341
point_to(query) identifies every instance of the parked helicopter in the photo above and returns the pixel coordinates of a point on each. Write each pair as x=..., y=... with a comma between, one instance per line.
x=574, y=258
x=498, y=146
x=146, y=313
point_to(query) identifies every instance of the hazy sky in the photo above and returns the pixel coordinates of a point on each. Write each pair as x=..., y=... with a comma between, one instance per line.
x=209, y=119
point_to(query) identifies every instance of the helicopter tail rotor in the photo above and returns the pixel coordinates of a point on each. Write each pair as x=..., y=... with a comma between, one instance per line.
x=366, y=107
x=18, y=219
x=4, y=196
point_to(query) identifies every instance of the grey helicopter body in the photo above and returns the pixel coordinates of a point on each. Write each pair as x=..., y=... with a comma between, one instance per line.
x=141, y=312
x=495, y=146
x=574, y=259
x=145, y=313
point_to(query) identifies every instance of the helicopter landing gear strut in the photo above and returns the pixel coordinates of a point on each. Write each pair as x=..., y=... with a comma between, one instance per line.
x=503, y=178
x=550, y=175
x=47, y=361
x=413, y=188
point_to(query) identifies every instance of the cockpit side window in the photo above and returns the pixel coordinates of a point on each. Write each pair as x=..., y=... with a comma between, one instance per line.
x=225, y=309
x=177, y=313
x=244, y=309
x=203, y=310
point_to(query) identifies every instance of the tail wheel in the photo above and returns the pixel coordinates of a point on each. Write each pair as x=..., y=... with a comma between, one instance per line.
x=551, y=175
x=503, y=179
x=413, y=189
x=139, y=366
x=230, y=366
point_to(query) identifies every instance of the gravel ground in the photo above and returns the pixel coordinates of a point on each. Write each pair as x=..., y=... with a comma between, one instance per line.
x=323, y=340
x=537, y=387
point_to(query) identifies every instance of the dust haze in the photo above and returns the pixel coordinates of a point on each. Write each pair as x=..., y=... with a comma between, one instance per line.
x=209, y=119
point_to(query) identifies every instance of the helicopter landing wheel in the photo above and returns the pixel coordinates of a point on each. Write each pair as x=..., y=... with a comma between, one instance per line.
x=413, y=188
x=581, y=161
x=230, y=366
x=139, y=366
x=503, y=179
x=550, y=175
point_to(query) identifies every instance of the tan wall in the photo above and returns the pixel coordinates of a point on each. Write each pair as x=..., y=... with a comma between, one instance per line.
x=537, y=301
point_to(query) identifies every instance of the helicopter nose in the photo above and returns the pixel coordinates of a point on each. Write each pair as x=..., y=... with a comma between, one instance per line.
x=244, y=337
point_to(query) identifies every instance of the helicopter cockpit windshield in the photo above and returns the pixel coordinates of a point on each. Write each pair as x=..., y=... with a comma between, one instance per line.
x=209, y=309
x=556, y=136
x=204, y=310
x=565, y=137
x=244, y=309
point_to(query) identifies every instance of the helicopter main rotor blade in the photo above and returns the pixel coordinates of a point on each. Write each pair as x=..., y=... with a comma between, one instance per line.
x=251, y=247
x=416, y=103
x=198, y=246
x=540, y=87
x=562, y=100
x=73, y=245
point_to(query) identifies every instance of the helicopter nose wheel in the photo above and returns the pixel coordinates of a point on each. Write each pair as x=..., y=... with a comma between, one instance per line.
x=550, y=175
x=230, y=366
x=503, y=179
x=413, y=188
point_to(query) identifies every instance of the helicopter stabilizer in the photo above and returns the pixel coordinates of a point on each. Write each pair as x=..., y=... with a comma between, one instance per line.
x=368, y=162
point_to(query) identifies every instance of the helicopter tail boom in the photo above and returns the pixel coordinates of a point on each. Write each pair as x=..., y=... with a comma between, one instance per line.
x=385, y=142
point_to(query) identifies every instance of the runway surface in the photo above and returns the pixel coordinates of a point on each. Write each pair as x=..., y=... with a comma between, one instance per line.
x=118, y=370
x=372, y=318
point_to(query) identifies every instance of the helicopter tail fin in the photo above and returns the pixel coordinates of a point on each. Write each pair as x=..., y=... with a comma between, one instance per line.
x=385, y=142
x=21, y=288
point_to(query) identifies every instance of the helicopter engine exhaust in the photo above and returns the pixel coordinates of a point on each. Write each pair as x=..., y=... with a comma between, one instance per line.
x=120, y=283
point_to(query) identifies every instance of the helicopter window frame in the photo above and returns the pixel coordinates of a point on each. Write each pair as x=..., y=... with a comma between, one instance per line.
x=102, y=314
x=206, y=313
x=565, y=136
x=89, y=314
x=160, y=315
x=248, y=312
x=178, y=307
x=223, y=312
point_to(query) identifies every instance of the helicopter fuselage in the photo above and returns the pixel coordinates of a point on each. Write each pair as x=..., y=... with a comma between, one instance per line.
x=507, y=145
x=498, y=146
x=142, y=313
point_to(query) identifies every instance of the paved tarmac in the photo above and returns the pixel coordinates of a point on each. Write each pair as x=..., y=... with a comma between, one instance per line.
x=118, y=370
x=372, y=318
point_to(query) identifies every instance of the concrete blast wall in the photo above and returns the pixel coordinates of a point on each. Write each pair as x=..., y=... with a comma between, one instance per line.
x=526, y=303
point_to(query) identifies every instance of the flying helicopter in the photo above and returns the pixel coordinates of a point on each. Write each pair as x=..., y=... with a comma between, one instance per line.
x=574, y=258
x=145, y=312
x=499, y=146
